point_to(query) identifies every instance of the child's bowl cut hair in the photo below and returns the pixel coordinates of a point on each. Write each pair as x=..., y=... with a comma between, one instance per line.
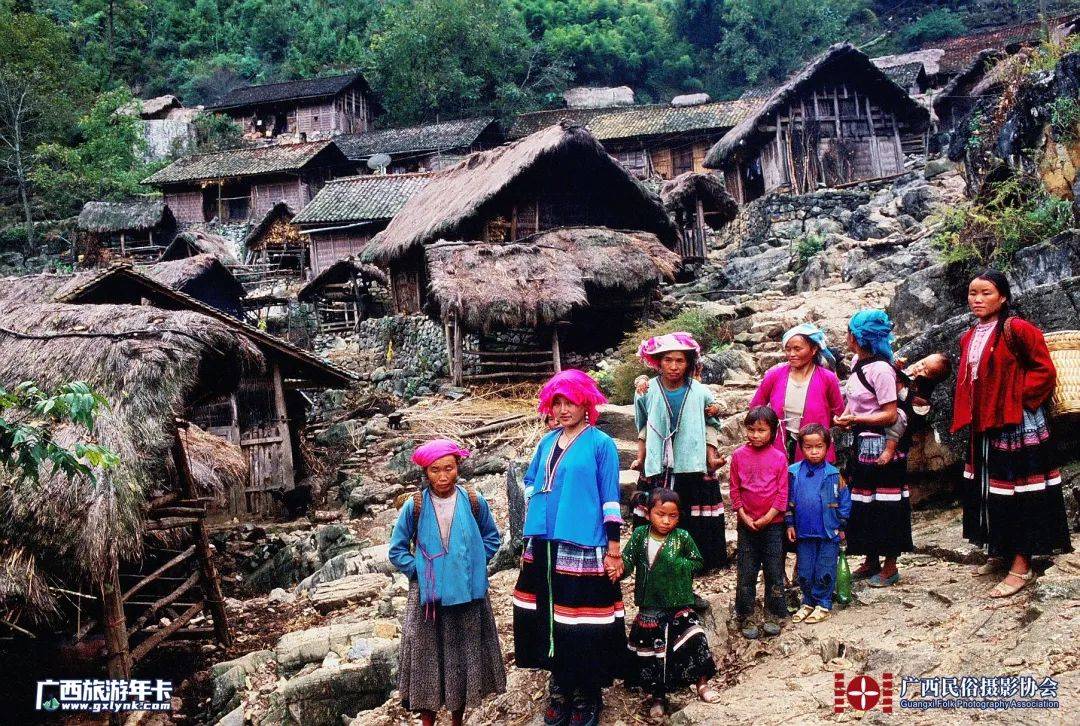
x=661, y=495
x=818, y=429
x=762, y=414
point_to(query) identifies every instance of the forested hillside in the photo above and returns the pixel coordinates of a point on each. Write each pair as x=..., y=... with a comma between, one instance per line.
x=66, y=65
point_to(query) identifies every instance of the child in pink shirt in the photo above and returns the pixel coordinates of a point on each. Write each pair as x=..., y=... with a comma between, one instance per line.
x=759, y=492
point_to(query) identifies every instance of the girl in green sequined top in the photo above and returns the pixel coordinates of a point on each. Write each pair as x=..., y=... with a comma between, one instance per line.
x=667, y=644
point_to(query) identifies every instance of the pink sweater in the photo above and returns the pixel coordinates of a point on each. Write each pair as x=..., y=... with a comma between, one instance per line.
x=759, y=480
x=823, y=400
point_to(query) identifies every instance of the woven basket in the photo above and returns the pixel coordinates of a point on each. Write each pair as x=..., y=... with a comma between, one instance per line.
x=1064, y=348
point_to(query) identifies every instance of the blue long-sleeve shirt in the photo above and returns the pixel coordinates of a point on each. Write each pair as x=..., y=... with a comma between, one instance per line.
x=819, y=504
x=458, y=573
x=584, y=492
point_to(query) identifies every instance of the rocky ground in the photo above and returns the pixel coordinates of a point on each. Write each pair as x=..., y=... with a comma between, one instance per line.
x=317, y=606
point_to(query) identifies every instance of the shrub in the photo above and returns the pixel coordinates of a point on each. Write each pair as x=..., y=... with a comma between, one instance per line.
x=1065, y=118
x=935, y=25
x=989, y=232
x=806, y=248
x=618, y=381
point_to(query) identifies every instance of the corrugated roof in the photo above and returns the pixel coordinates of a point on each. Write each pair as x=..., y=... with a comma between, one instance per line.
x=307, y=88
x=662, y=119
x=240, y=162
x=361, y=198
x=442, y=136
x=526, y=124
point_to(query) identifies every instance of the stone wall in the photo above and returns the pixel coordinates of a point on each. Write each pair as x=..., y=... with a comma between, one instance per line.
x=404, y=353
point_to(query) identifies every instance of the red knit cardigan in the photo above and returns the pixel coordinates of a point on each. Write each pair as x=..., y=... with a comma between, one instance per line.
x=1014, y=374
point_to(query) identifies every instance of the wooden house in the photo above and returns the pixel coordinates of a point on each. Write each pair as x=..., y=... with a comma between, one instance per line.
x=202, y=277
x=345, y=293
x=559, y=189
x=697, y=203
x=652, y=141
x=429, y=147
x=348, y=212
x=959, y=96
x=121, y=559
x=138, y=229
x=276, y=242
x=838, y=120
x=263, y=415
x=198, y=241
x=306, y=110
x=241, y=185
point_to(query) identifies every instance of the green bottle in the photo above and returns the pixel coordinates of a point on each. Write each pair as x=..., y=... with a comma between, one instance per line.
x=843, y=579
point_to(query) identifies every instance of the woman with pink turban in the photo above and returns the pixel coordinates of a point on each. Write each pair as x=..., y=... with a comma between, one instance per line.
x=568, y=610
x=442, y=541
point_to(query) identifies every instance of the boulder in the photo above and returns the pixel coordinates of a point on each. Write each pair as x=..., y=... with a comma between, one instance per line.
x=369, y=559
x=919, y=201
x=294, y=650
x=363, y=589
x=232, y=718
x=1047, y=262
x=324, y=697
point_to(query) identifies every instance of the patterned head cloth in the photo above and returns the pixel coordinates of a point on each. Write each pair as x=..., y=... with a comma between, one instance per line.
x=653, y=349
x=872, y=330
x=814, y=334
x=575, y=386
x=426, y=454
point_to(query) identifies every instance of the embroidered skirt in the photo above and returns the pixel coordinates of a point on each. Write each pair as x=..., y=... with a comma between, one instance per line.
x=451, y=661
x=1013, y=502
x=701, y=512
x=880, y=522
x=568, y=616
x=668, y=650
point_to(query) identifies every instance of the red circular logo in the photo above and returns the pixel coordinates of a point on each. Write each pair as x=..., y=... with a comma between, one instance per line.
x=863, y=693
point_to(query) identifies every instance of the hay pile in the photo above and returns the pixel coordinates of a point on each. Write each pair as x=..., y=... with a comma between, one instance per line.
x=433, y=418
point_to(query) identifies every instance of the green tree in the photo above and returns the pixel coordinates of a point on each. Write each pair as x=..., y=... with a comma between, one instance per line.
x=453, y=58
x=41, y=88
x=106, y=161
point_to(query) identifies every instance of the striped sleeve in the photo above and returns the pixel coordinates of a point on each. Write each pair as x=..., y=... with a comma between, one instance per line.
x=612, y=512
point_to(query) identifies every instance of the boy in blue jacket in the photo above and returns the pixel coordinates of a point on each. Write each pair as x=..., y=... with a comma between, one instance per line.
x=819, y=504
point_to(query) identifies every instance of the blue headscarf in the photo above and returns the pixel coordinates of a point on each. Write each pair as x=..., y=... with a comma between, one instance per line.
x=873, y=332
x=812, y=333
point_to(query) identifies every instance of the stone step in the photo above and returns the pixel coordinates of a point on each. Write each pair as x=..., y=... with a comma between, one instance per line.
x=617, y=422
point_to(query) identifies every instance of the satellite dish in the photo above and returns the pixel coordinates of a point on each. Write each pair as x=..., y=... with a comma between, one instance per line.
x=378, y=162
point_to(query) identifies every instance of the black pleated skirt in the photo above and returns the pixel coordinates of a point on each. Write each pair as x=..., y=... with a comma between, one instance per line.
x=880, y=522
x=701, y=512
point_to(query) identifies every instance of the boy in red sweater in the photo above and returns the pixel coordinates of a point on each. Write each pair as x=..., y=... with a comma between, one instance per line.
x=759, y=493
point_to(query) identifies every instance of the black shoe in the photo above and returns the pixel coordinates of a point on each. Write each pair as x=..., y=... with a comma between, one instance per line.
x=557, y=712
x=770, y=629
x=700, y=603
x=585, y=710
x=749, y=631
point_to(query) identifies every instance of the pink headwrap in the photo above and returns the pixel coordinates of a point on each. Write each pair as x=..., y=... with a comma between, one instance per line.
x=428, y=453
x=653, y=349
x=575, y=386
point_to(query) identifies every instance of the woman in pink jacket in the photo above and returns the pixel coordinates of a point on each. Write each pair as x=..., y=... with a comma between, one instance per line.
x=803, y=390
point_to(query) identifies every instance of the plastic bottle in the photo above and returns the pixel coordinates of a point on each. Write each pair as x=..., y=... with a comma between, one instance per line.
x=843, y=579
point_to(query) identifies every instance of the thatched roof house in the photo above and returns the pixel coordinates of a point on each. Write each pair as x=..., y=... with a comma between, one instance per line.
x=195, y=241
x=137, y=228
x=347, y=292
x=696, y=201
x=202, y=277
x=838, y=119
x=956, y=99
x=151, y=365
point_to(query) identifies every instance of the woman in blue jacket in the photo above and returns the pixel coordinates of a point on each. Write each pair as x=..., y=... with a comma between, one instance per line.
x=568, y=610
x=819, y=504
x=442, y=541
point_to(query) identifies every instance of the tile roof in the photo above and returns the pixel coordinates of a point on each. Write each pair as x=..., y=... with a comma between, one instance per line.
x=307, y=88
x=442, y=136
x=240, y=162
x=635, y=121
x=526, y=124
x=904, y=75
x=361, y=198
x=961, y=52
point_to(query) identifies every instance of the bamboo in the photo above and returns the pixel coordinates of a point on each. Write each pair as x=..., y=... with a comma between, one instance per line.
x=154, y=640
x=158, y=572
x=510, y=353
x=507, y=374
x=171, y=523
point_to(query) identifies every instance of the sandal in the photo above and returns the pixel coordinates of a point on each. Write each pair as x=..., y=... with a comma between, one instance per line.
x=707, y=694
x=1002, y=589
x=992, y=565
x=801, y=614
x=817, y=615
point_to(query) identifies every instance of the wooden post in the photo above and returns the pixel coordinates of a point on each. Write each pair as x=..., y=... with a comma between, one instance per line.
x=211, y=585
x=116, y=637
x=449, y=335
x=122, y=252
x=699, y=231
x=556, y=356
x=458, y=363
x=283, y=429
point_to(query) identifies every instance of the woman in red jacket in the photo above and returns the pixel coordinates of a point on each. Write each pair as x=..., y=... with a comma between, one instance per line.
x=1013, y=504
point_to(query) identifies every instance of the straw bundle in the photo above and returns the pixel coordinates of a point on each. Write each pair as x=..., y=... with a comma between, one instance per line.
x=1064, y=348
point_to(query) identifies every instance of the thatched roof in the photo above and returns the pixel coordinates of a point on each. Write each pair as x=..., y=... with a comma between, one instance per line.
x=184, y=274
x=136, y=215
x=682, y=193
x=281, y=210
x=542, y=279
x=149, y=108
x=197, y=241
x=150, y=364
x=842, y=60
x=459, y=195
x=339, y=272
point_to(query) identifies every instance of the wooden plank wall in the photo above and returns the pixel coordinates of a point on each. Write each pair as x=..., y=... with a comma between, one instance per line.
x=186, y=206
x=329, y=247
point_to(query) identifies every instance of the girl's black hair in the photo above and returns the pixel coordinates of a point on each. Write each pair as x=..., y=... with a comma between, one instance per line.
x=660, y=495
x=762, y=414
x=815, y=429
x=1008, y=310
